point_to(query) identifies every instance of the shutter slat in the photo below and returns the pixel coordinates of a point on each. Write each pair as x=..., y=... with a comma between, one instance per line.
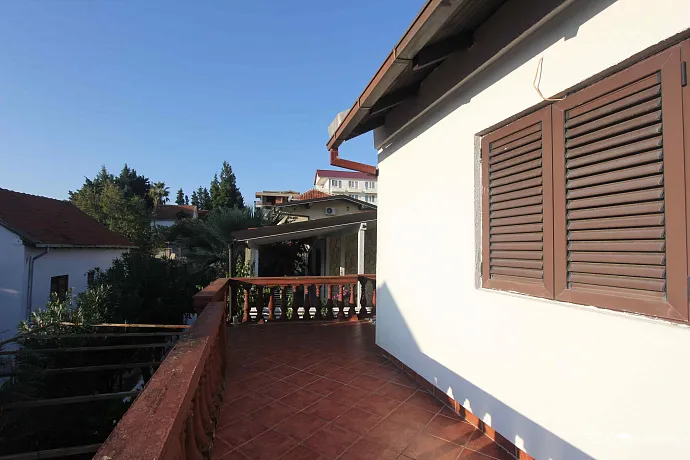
x=617, y=222
x=534, y=236
x=641, y=233
x=517, y=263
x=624, y=162
x=536, y=172
x=630, y=245
x=517, y=211
x=517, y=203
x=626, y=114
x=517, y=194
x=638, y=91
x=646, y=284
x=629, y=149
x=645, y=271
x=623, y=210
x=536, y=145
x=517, y=143
x=638, y=258
x=516, y=279
x=522, y=272
x=527, y=219
x=635, y=123
x=518, y=246
x=524, y=255
x=621, y=139
x=516, y=161
x=522, y=228
x=617, y=187
x=619, y=175
x=618, y=198
x=609, y=290
x=517, y=186
x=515, y=136
x=516, y=169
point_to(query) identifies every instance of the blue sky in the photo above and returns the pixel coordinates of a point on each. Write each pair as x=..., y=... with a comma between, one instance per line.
x=173, y=88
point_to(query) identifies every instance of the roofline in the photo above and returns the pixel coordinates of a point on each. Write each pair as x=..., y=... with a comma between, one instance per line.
x=85, y=246
x=429, y=20
x=326, y=198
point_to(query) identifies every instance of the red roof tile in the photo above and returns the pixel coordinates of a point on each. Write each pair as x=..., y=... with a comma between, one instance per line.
x=173, y=211
x=344, y=174
x=50, y=222
x=311, y=194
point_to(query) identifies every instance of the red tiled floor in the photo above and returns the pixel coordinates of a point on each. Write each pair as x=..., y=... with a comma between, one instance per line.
x=365, y=450
x=300, y=426
x=331, y=441
x=308, y=391
x=268, y=446
x=411, y=416
x=357, y=421
x=425, y=447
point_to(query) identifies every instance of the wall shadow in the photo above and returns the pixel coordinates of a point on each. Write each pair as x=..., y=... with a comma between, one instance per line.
x=393, y=333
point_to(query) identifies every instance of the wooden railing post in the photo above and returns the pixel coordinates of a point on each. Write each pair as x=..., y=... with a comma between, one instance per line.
x=307, y=304
x=341, y=302
x=245, y=307
x=260, y=304
x=329, y=301
x=283, y=303
x=295, y=304
x=363, y=313
x=271, y=305
x=319, y=305
x=352, y=312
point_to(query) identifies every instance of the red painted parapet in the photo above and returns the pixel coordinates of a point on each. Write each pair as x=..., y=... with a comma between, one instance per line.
x=174, y=416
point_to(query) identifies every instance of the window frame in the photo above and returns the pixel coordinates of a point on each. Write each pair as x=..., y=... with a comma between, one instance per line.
x=55, y=281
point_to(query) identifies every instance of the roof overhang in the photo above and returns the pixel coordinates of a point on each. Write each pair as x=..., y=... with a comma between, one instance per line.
x=443, y=29
x=301, y=230
x=345, y=198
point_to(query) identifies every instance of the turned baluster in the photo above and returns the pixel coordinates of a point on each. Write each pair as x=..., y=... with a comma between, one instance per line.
x=307, y=303
x=329, y=301
x=341, y=302
x=191, y=444
x=260, y=305
x=271, y=305
x=203, y=405
x=363, y=313
x=351, y=310
x=245, y=307
x=295, y=304
x=283, y=303
x=319, y=305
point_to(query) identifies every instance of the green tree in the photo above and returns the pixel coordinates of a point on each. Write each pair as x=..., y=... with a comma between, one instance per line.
x=224, y=191
x=203, y=199
x=132, y=184
x=195, y=199
x=159, y=193
x=180, y=197
x=105, y=199
x=186, y=200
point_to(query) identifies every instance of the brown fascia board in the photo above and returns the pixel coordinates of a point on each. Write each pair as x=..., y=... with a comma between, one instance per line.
x=430, y=19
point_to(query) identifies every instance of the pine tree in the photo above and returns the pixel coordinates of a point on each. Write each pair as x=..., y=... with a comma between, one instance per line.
x=195, y=199
x=180, y=197
x=203, y=199
x=186, y=200
x=224, y=192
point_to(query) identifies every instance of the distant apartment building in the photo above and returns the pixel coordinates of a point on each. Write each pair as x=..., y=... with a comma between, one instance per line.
x=356, y=185
x=268, y=199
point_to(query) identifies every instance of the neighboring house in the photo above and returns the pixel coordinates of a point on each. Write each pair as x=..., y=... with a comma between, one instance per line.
x=321, y=207
x=538, y=275
x=46, y=246
x=165, y=215
x=360, y=186
x=268, y=199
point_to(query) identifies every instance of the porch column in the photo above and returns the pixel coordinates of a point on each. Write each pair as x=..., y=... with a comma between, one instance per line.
x=254, y=259
x=360, y=258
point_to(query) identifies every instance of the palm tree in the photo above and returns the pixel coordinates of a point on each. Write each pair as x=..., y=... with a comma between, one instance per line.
x=159, y=193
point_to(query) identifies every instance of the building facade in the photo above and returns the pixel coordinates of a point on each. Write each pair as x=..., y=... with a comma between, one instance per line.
x=268, y=199
x=555, y=308
x=354, y=184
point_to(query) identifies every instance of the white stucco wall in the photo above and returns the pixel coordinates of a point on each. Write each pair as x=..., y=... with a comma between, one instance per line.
x=11, y=282
x=560, y=381
x=72, y=262
x=318, y=210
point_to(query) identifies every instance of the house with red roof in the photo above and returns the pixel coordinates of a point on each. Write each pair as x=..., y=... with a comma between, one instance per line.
x=165, y=215
x=47, y=245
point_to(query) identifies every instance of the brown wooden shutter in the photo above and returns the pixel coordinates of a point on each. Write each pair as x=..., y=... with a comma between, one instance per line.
x=517, y=217
x=619, y=192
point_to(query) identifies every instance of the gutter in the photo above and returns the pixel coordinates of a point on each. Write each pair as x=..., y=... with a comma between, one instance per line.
x=85, y=246
x=246, y=240
x=353, y=165
x=30, y=283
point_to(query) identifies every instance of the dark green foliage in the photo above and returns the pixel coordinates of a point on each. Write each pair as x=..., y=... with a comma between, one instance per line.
x=179, y=199
x=159, y=193
x=283, y=259
x=203, y=199
x=224, y=192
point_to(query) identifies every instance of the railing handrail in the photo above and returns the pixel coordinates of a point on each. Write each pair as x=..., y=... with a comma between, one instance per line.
x=155, y=424
x=300, y=280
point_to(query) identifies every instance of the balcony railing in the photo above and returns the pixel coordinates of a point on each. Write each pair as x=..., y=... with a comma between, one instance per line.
x=308, y=298
x=174, y=416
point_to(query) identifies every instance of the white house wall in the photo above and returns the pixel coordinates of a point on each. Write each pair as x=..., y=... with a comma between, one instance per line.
x=11, y=282
x=75, y=263
x=561, y=381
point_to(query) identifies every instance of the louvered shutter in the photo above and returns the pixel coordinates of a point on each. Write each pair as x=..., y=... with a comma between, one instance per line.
x=619, y=193
x=517, y=222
